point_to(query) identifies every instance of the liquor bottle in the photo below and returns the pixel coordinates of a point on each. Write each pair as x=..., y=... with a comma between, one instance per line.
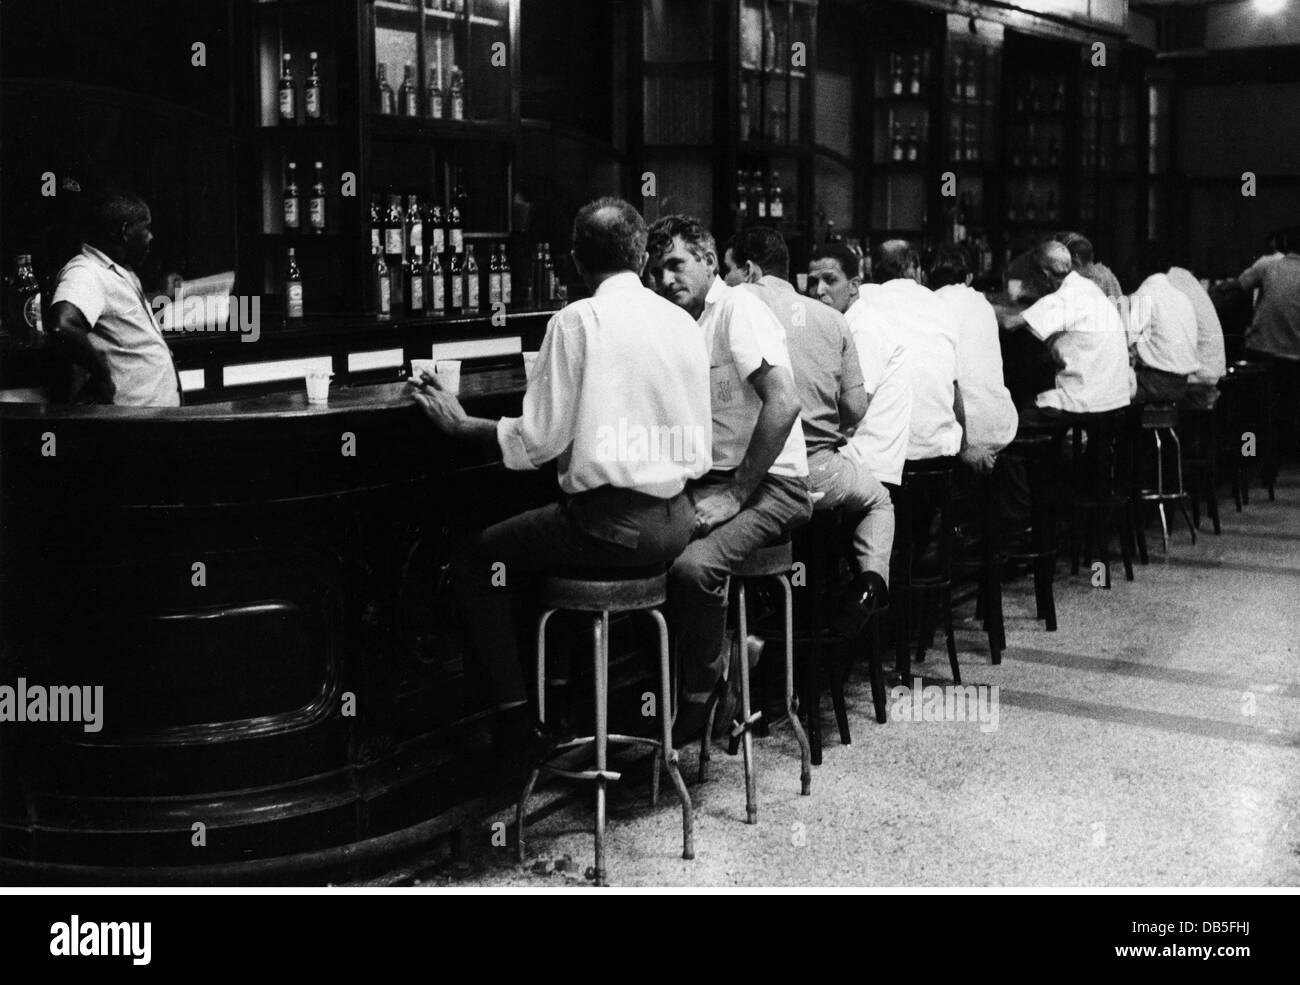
x=507, y=278
x=436, y=295
x=455, y=233
x=494, y=279
x=376, y=226
x=414, y=225
x=537, y=278
x=775, y=208
x=456, y=281
x=760, y=193
x=963, y=213
x=292, y=288
x=288, y=95
x=897, y=152
x=394, y=245
x=380, y=281
x=437, y=234
x=24, y=295
x=433, y=98
x=974, y=64
x=415, y=292
x=896, y=86
x=292, y=219
x=317, y=205
x=399, y=276
x=913, y=142
x=471, y=280
x=915, y=88
x=958, y=73
x=387, y=100
x=742, y=196
x=972, y=142
x=548, y=273
x=311, y=95
x=406, y=97
x=744, y=111
x=457, y=94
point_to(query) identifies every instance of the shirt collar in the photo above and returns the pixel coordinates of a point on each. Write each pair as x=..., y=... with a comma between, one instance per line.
x=717, y=291
x=622, y=281
x=95, y=253
x=776, y=283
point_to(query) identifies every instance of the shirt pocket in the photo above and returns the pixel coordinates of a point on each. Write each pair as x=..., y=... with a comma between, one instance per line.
x=724, y=385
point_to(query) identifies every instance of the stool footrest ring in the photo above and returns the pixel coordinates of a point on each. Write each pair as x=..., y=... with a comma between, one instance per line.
x=607, y=775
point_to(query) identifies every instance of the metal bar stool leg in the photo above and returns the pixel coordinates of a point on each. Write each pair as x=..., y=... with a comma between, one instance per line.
x=791, y=703
x=1160, y=491
x=600, y=645
x=666, y=750
x=746, y=738
x=1182, y=491
x=875, y=665
x=521, y=809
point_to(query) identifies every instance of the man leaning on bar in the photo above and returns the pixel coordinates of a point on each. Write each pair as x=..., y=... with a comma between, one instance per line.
x=621, y=362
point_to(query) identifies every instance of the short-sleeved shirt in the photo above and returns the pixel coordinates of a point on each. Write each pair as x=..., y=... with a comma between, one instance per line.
x=1209, y=330
x=1104, y=278
x=1276, y=326
x=123, y=328
x=880, y=441
x=822, y=354
x=1162, y=326
x=1089, y=339
x=741, y=334
x=991, y=418
x=619, y=396
x=922, y=323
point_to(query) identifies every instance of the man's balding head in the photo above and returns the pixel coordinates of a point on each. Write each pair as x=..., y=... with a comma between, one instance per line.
x=895, y=258
x=608, y=238
x=1054, y=262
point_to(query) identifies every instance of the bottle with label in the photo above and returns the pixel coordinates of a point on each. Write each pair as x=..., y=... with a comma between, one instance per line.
x=415, y=293
x=311, y=95
x=472, y=296
x=317, y=205
x=548, y=274
x=387, y=102
x=288, y=91
x=915, y=88
x=376, y=226
x=292, y=288
x=507, y=280
x=974, y=65
x=896, y=84
x=958, y=74
x=381, y=283
x=292, y=220
x=433, y=97
x=455, y=232
x=742, y=196
x=456, y=94
x=24, y=295
x=437, y=234
x=913, y=142
x=406, y=95
x=394, y=241
x=897, y=150
x=494, y=278
x=776, y=207
x=414, y=225
x=760, y=194
x=436, y=295
x=456, y=281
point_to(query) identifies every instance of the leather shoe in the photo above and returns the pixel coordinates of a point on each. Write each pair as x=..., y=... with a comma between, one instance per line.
x=869, y=595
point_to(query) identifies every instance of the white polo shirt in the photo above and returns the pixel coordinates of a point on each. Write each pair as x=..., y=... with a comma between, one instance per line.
x=1089, y=340
x=1162, y=326
x=991, y=418
x=1209, y=330
x=923, y=325
x=880, y=441
x=122, y=328
x=619, y=394
x=741, y=333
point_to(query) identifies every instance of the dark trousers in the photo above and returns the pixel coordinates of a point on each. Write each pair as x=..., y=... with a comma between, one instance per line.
x=697, y=581
x=1285, y=377
x=498, y=569
x=1155, y=386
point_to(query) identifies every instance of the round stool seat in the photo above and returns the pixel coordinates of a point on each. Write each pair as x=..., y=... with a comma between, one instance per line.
x=1247, y=367
x=1158, y=415
x=773, y=558
x=1033, y=443
x=605, y=589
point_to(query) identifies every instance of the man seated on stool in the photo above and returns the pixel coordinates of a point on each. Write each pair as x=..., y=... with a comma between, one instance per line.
x=1161, y=325
x=990, y=415
x=622, y=362
x=829, y=377
x=1202, y=385
x=1082, y=260
x=758, y=488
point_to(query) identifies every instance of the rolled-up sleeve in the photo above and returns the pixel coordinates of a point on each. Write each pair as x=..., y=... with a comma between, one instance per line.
x=545, y=429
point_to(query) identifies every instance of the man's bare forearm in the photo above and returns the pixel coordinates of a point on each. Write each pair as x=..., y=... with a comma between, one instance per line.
x=778, y=416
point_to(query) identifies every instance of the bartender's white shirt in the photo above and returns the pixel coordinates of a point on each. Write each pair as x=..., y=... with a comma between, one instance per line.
x=1089, y=340
x=741, y=333
x=619, y=394
x=991, y=418
x=122, y=328
x=1162, y=326
x=880, y=441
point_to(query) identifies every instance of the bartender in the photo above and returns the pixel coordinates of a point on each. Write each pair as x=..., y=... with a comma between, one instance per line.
x=101, y=317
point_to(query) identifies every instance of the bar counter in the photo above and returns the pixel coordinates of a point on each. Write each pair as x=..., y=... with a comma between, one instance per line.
x=260, y=587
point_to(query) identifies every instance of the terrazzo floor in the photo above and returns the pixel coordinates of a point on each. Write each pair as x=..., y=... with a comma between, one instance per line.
x=1154, y=740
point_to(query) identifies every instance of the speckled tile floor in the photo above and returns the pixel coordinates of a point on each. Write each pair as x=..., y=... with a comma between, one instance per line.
x=1154, y=740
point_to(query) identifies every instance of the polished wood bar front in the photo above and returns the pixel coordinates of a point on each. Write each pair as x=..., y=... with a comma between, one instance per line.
x=260, y=587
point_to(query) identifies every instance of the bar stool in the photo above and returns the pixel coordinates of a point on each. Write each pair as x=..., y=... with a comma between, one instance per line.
x=925, y=494
x=1201, y=463
x=988, y=566
x=1096, y=495
x=1159, y=419
x=602, y=592
x=1247, y=390
x=1040, y=451
x=773, y=560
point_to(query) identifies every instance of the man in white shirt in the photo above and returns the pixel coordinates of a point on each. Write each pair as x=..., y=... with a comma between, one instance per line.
x=1202, y=389
x=758, y=488
x=620, y=397
x=1081, y=257
x=1087, y=338
x=1161, y=326
x=989, y=414
x=100, y=317
x=923, y=325
x=880, y=440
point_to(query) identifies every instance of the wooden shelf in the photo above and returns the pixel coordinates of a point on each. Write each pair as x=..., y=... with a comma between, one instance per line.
x=384, y=126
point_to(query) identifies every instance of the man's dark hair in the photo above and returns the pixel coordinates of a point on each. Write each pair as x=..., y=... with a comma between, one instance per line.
x=1151, y=258
x=1079, y=245
x=692, y=231
x=894, y=258
x=950, y=265
x=107, y=210
x=841, y=254
x=609, y=236
x=765, y=247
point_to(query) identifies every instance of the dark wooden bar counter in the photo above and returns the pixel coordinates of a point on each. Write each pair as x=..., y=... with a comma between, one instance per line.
x=260, y=588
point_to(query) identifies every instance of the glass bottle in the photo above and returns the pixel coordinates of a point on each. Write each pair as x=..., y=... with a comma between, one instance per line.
x=436, y=296
x=291, y=217
x=292, y=288
x=316, y=207
x=433, y=98
x=456, y=281
x=387, y=100
x=410, y=105
x=415, y=293
x=896, y=84
x=457, y=94
x=438, y=234
x=288, y=95
x=25, y=303
x=380, y=282
x=507, y=278
x=471, y=280
x=393, y=228
x=915, y=87
x=494, y=279
x=311, y=95
x=775, y=207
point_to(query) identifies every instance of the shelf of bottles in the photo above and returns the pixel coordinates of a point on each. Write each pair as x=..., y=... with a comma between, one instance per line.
x=1099, y=110
x=902, y=80
x=441, y=60
x=773, y=71
x=971, y=94
x=1036, y=122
